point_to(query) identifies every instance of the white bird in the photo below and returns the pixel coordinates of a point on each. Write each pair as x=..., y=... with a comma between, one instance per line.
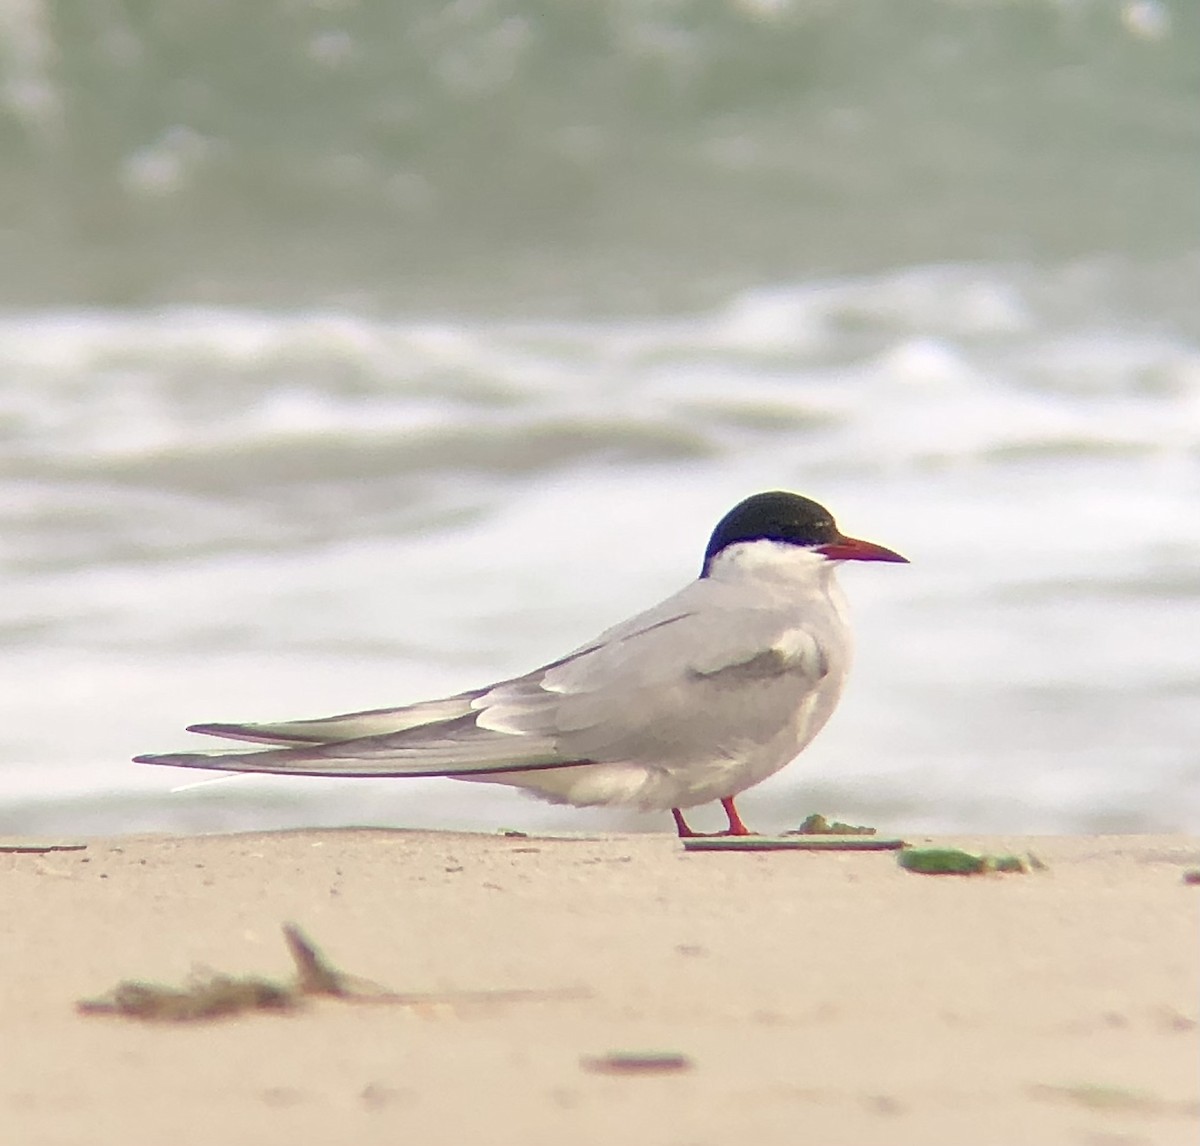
x=697, y=699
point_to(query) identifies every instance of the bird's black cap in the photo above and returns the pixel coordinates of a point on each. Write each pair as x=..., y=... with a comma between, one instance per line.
x=774, y=516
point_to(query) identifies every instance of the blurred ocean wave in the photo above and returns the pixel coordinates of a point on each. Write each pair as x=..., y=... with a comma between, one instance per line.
x=923, y=367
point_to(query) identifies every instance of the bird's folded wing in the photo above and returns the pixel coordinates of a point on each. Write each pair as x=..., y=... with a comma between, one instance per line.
x=456, y=747
x=642, y=692
x=703, y=677
x=348, y=726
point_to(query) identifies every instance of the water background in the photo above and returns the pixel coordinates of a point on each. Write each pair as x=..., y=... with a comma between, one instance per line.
x=356, y=353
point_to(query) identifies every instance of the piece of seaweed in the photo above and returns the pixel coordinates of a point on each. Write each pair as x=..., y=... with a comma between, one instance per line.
x=818, y=825
x=951, y=861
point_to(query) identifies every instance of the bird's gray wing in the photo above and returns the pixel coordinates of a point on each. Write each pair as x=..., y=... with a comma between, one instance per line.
x=706, y=684
x=347, y=726
x=433, y=738
x=641, y=689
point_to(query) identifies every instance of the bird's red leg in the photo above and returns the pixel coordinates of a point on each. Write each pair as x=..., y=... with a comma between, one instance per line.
x=685, y=833
x=736, y=827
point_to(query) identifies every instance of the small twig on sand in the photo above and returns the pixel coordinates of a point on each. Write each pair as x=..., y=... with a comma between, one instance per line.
x=210, y=995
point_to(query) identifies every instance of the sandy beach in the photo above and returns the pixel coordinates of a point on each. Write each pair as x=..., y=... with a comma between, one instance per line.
x=821, y=998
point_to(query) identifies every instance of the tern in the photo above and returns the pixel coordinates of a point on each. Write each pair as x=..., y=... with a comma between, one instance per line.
x=696, y=699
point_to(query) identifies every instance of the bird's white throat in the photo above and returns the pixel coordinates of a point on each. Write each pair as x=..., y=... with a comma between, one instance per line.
x=770, y=560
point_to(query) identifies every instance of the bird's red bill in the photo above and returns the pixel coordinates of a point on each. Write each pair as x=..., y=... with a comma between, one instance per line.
x=852, y=549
